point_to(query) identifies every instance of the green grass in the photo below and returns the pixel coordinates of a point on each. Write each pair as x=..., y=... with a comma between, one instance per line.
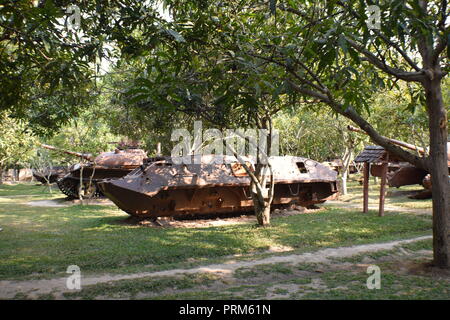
x=329, y=284
x=41, y=242
x=303, y=281
x=345, y=285
x=131, y=288
x=27, y=188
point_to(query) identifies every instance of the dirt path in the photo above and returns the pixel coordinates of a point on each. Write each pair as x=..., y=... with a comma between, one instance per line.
x=47, y=203
x=34, y=288
x=347, y=205
x=20, y=196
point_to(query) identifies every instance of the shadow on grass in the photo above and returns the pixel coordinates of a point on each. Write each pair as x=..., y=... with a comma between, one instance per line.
x=44, y=242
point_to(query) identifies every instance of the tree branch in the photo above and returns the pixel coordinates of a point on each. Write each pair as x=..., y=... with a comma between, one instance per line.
x=384, y=38
x=441, y=45
x=400, y=74
x=319, y=87
x=351, y=114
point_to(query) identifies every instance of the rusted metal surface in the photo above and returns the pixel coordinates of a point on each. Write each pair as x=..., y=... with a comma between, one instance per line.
x=106, y=165
x=218, y=184
x=406, y=175
x=376, y=169
x=123, y=159
x=426, y=182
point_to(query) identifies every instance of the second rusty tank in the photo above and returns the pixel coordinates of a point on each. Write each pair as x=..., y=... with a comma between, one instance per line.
x=401, y=173
x=83, y=177
x=215, y=185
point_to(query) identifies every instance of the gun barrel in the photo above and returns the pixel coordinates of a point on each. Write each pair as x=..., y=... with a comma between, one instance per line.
x=393, y=141
x=86, y=156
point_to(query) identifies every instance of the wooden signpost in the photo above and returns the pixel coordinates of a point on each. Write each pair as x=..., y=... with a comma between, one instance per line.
x=374, y=156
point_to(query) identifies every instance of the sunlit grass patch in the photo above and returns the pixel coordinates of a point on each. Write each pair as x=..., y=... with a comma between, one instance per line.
x=28, y=188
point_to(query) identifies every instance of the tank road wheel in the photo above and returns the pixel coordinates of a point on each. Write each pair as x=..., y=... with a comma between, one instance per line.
x=69, y=187
x=90, y=190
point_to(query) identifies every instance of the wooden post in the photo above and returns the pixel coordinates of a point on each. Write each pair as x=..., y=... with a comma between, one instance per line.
x=366, y=187
x=384, y=169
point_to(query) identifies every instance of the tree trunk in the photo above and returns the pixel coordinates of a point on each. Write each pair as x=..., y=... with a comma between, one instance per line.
x=261, y=194
x=346, y=160
x=261, y=201
x=1, y=175
x=439, y=171
x=344, y=182
x=262, y=211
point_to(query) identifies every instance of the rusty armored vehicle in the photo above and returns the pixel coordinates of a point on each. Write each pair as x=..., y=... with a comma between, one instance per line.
x=84, y=177
x=214, y=185
x=401, y=173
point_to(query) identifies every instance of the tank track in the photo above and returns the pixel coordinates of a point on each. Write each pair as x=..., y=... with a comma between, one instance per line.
x=70, y=187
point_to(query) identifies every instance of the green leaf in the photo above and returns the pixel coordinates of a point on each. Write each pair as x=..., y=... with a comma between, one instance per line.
x=354, y=55
x=138, y=98
x=178, y=37
x=278, y=91
x=144, y=82
x=327, y=59
x=342, y=42
x=257, y=90
x=46, y=45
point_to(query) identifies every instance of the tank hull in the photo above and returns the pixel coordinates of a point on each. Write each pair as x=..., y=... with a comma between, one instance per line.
x=399, y=175
x=405, y=176
x=208, y=190
x=209, y=200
